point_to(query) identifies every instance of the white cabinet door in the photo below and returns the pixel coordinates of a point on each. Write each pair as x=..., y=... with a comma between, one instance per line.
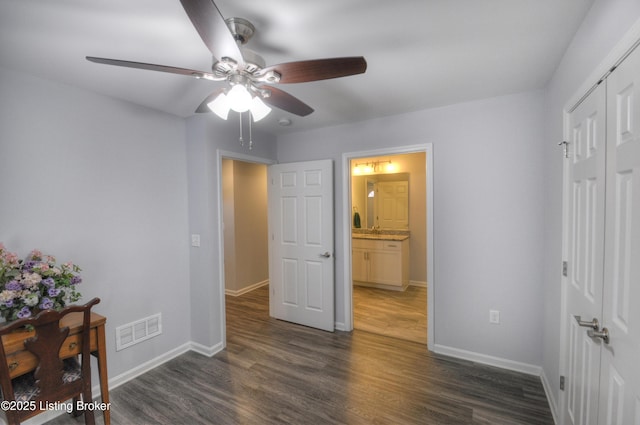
x=385, y=267
x=360, y=265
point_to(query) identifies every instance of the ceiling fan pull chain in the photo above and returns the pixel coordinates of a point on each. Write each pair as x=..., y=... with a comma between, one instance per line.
x=241, y=139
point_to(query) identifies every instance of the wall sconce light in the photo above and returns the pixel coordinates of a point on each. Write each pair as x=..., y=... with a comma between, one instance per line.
x=373, y=167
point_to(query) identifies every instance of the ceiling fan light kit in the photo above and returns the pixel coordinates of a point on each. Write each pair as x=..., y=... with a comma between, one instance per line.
x=239, y=100
x=244, y=70
x=258, y=109
x=220, y=106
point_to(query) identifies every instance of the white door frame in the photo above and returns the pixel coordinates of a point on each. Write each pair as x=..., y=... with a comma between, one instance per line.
x=236, y=156
x=620, y=51
x=427, y=148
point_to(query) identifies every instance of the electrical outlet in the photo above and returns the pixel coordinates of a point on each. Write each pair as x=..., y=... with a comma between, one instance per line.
x=195, y=240
x=494, y=316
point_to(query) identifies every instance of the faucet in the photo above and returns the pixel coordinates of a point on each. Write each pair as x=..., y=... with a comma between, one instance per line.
x=375, y=229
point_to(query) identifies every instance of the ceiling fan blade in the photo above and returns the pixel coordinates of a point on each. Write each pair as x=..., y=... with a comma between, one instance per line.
x=213, y=30
x=285, y=101
x=318, y=69
x=152, y=67
x=204, y=105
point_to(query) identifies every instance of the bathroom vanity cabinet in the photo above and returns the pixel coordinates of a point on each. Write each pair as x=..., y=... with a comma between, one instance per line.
x=381, y=261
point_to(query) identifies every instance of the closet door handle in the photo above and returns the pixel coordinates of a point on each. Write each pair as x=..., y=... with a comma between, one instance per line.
x=593, y=324
x=604, y=334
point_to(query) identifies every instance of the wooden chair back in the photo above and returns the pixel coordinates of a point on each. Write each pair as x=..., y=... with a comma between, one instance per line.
x=48, y=376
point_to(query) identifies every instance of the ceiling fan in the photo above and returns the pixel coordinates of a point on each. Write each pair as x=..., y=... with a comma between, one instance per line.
x=244, y=70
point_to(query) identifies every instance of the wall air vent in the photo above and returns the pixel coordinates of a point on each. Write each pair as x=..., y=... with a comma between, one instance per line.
x=138, y=331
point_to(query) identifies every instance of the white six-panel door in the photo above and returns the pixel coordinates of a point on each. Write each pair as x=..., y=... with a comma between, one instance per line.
x=301, y=264
x=620, y=376
x=392, y=200
x=603, y=374
x=586, y=247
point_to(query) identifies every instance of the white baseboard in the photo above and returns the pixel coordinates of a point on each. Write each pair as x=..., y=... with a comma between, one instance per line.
x=553, y=405
x=488, y=360
x=207, y=351
x=246, y=289
x=419, y=283
x=127, y=376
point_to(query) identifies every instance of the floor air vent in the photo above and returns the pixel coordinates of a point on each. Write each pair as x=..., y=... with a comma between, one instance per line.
x=138, y=331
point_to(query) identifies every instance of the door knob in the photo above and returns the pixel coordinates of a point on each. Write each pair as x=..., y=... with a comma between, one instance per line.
x=326, y=254
x=604, y=334
x=594, y=324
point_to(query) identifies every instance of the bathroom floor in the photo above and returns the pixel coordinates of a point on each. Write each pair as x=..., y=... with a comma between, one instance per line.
x=392, y=313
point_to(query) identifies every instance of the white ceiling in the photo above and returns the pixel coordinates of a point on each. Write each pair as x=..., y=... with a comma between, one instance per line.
x=420, y=53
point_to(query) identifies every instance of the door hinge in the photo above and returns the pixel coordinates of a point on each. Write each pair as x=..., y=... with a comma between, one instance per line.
x=565, y=268
x=565, y=148
x=562, y=383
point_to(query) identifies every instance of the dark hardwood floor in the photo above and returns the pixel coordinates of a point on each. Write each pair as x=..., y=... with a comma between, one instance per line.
x=274, y=372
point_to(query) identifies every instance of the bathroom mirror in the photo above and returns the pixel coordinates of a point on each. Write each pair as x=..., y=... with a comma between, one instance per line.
x=380, y=200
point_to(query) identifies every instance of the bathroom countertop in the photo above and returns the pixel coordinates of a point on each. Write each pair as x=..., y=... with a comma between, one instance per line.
x=379, y=236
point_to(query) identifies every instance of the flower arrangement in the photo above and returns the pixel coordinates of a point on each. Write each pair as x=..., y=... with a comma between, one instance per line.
x=36, y=282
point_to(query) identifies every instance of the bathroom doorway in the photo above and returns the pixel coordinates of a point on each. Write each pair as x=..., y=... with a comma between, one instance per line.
x=388, y=247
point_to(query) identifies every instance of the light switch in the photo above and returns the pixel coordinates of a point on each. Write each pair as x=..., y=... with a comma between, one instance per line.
x=195, y=240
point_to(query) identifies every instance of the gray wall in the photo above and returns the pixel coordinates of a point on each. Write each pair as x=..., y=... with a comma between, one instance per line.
x=605, y=24
x=102, y=183
x=205, y=136
x=488, y=218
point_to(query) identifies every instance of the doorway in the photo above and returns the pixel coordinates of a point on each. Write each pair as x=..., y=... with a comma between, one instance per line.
x=378, y=300
x=243, y=246
x=245, y=233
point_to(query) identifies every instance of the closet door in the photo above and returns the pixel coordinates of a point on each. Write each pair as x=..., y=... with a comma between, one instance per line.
x=620, y=370
x=586, y=250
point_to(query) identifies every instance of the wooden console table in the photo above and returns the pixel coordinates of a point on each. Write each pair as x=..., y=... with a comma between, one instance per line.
x=21, y=361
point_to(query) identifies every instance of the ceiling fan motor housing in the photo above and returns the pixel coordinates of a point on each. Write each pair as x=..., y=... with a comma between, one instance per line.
x=241, y=29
